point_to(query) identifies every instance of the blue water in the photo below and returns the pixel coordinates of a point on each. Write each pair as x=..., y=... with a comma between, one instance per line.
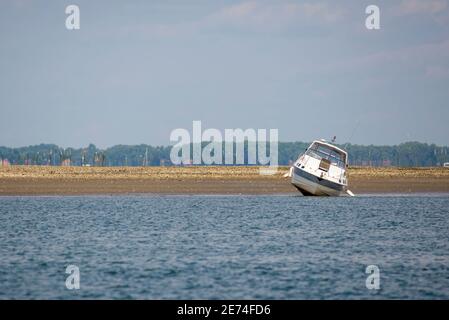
x=224, y=247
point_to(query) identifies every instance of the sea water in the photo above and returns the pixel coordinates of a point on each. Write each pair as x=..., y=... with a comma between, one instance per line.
x=224, y=247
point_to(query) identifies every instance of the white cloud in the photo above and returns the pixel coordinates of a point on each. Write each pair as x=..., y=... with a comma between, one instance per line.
x=275, y=14
x=322, y=11
x=437, y=72
x=238, y=11
x=410, y=7
x=256, y=16
x=21, y=4
x=424, y=60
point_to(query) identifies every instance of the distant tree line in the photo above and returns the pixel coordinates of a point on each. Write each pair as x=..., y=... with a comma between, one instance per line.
x=409, y=154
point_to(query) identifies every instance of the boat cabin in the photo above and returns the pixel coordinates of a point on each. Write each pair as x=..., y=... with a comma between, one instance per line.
x=327, y=155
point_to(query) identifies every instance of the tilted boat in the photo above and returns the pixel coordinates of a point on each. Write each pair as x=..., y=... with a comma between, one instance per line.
x=321, y=171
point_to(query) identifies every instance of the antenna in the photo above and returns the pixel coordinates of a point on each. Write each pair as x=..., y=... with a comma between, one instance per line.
x=146, y=157
x=352, y=134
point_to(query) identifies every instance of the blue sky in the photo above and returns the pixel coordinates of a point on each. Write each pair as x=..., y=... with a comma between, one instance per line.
x=136, y=70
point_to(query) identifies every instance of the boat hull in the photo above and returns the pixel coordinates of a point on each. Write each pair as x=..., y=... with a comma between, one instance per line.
x=309, y=184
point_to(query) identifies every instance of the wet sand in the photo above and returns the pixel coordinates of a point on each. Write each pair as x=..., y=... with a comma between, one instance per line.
x=48, y=180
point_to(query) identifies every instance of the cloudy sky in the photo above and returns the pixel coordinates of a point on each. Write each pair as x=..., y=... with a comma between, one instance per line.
x=136, y=70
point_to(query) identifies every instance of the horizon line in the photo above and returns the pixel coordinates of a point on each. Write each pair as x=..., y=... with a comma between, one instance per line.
x=164, y=146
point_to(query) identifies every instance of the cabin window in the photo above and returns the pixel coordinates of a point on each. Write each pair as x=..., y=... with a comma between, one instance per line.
x=319, y=151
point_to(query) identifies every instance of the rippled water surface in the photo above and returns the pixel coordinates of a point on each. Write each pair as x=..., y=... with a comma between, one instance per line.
x=230, y=247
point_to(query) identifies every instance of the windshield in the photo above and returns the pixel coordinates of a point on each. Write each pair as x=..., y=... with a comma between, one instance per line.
x=319, y=151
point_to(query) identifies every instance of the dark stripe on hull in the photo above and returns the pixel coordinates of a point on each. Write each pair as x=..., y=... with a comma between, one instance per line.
x=304, y=192
x=315, y=179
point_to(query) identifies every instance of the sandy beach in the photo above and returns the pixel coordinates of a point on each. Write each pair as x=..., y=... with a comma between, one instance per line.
x=48, y=180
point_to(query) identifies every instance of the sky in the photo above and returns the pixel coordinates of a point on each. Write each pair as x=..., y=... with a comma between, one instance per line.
x=136, y=70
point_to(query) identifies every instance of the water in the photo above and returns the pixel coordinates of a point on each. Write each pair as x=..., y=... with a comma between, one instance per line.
x=224, y=247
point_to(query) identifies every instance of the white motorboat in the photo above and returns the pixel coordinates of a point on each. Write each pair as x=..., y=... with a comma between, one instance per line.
x=321, y=171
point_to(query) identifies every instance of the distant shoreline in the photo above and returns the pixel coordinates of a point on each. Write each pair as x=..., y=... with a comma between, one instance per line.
x=56, y=180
